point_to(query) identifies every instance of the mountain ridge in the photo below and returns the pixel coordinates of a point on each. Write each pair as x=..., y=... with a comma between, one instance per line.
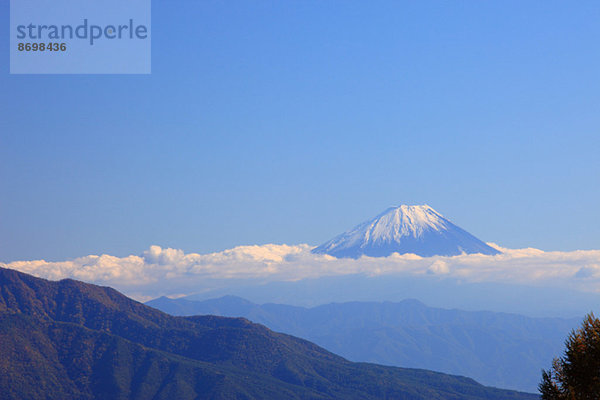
x=498, y=349
x=69, y=339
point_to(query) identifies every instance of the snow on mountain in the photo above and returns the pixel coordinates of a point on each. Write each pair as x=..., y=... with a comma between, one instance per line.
x=405, y=229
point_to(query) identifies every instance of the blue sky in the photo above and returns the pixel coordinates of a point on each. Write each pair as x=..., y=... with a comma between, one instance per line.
x=289, y=122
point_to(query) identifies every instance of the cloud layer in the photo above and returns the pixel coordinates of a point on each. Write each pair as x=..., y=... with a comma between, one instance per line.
x=169, y=271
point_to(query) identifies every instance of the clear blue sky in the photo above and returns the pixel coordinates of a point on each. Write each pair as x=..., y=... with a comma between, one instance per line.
x=291, y=121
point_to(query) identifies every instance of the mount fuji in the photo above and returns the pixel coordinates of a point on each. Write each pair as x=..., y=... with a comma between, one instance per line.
x=405, y=229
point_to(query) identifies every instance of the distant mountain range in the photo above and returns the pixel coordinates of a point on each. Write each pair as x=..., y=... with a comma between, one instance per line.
x=497, y=349
x=71, y=340
x=405, y=229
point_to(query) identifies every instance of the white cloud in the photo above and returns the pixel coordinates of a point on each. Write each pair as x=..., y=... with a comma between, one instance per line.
x=588, y=271
x=168, y=271
x=439, y=267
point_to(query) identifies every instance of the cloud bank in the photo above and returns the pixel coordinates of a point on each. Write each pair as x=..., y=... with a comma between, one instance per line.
x=165, y=271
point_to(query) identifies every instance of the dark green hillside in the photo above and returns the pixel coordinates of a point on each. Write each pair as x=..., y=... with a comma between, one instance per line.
x=72, y=340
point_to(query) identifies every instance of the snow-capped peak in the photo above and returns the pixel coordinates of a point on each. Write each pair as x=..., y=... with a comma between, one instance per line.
x=404, y=220
x=405, y=229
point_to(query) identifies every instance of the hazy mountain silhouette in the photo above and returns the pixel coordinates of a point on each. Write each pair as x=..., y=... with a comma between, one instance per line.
x=71, y=340
x=497, y=349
